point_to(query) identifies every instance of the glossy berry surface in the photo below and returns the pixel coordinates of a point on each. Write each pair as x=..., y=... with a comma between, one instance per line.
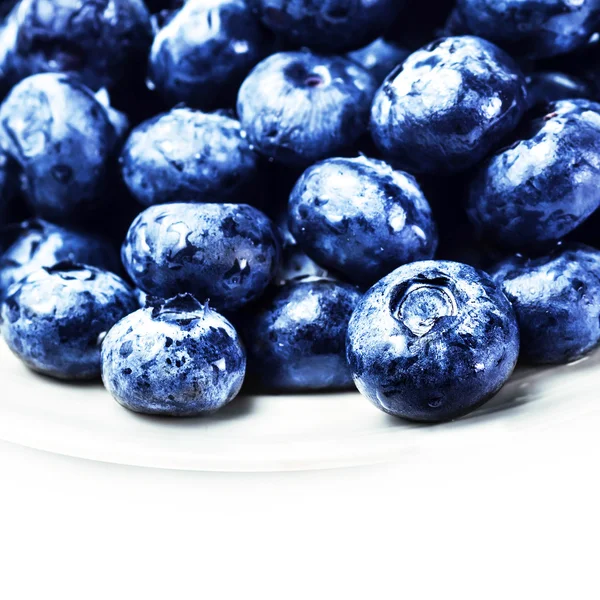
x=62, y=138
x=432, y=341
x=448, y=105
x=545, y=184
x=361, y=218
x=328, y=25
x=298, y=107
x=97, y=39
x=296, y=342
x=227, y=253
x=35, y=244
x=204, y=51
x=55, y=318
x=532, y=28
x=557, y=302
x=189, y=156
x=380, y=58
x=176, y=358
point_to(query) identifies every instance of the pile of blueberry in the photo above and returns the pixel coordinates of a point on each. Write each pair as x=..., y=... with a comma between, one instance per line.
x=392, y=194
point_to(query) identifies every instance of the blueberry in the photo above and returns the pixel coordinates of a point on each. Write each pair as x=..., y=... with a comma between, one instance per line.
x=432, y=341
x=296, y=341
x=203, y=53
x=532, y=28
x=227, y=253
x=380, y=58
x=545, y=87
x=545, y=184
x=62, y=138
x=448, y=105
x=188, y=156
x=54, y=319
x=35, y=244
x=98, y=39
x=176, y=358
x=557, y=302
x=360, y=217
x=328, y=25
x=298, y=107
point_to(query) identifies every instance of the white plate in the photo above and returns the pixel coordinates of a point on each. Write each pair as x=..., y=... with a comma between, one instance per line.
x=273, y=433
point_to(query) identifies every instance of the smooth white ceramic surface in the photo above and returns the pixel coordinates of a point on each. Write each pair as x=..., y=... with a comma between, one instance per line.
x=272, y=433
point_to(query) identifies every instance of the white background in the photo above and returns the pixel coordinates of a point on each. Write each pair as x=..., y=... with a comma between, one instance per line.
x=494, y=525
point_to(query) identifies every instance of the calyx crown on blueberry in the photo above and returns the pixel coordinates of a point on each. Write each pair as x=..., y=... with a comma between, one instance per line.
x=432, y=341
x=299, y=107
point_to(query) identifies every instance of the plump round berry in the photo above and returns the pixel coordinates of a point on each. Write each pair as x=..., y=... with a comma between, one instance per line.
x=296, y=342
x=98, y=39
x=35, y=244
x=557, y=302
x=188, y=156
x=532, y=28
x=362, y=218
x=328, y=25
x=62, y=138
x=545, y=184
x=227, y=253
x=545, y=87
x=380, y=58
x=432, y=341
x=175, y=358
x=54, y=319
x=204, y=51
x=298, y=107
x=448, y=105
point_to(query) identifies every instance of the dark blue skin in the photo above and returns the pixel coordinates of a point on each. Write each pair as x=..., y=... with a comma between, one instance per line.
x=362, y=218
x=175, y=358
x=98, y=39
x=63, y=139
x=380, y=58
x=544, y=185
x=189, y=156
x=557, y=302
x=202, y=54
x=448, y=105
x=328, y=26
x=35, y=244
x=545, y=87
x=228, y=253
x=296, y=340
x=298, y=107
x=432, y=341
x=54, y=320
x=532, y=28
